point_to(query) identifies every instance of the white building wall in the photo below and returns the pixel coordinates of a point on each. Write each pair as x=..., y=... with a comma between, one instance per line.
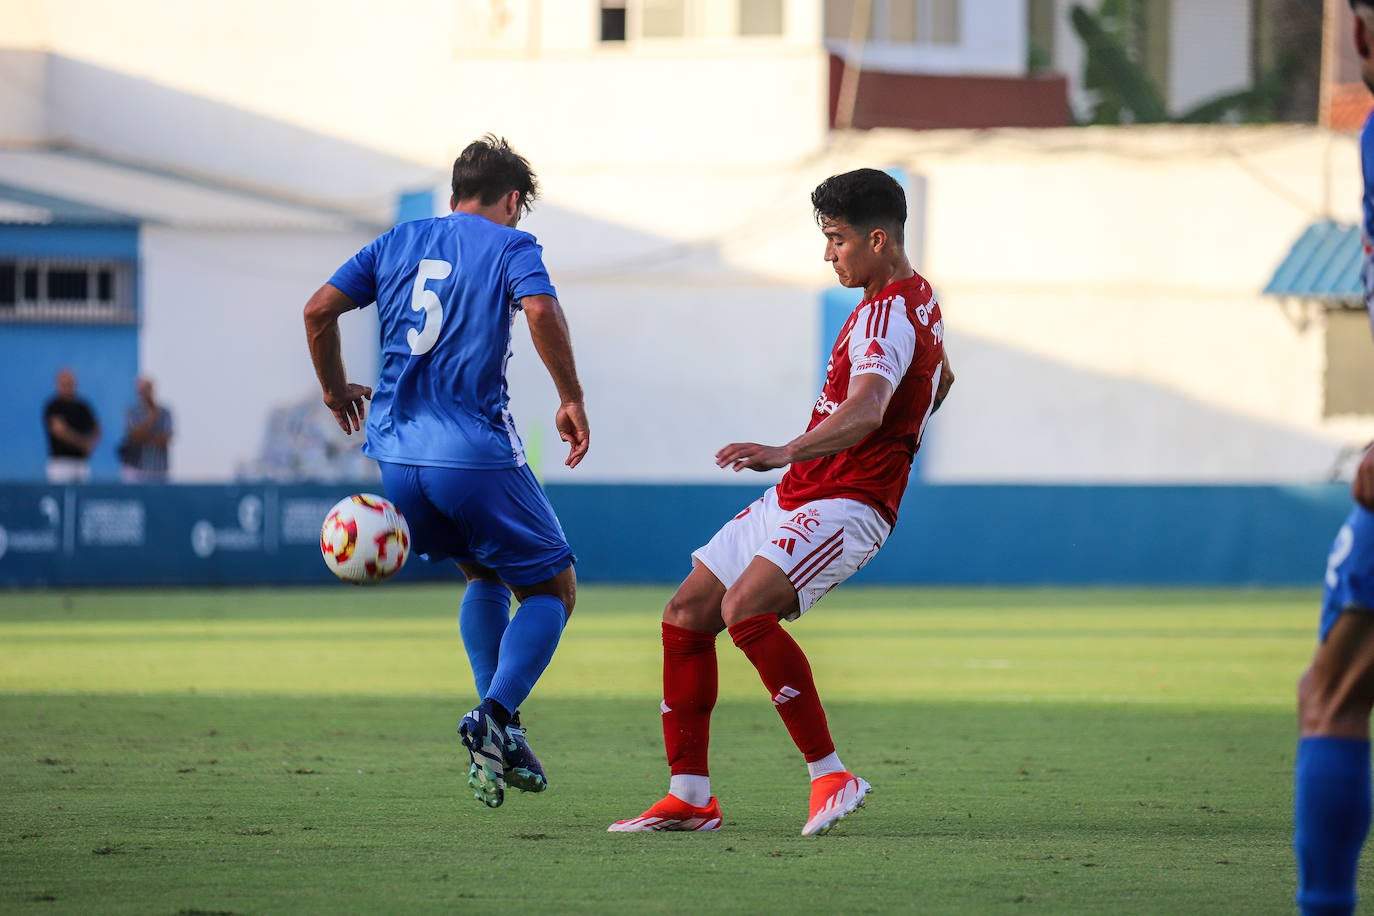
x=23, y=114
x=1100, y=289
x=224, y=339
x=411, y=85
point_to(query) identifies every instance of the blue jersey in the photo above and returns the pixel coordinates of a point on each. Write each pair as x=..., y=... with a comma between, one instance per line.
x=1349, y=569
x=1367, y=210
x=447, y=290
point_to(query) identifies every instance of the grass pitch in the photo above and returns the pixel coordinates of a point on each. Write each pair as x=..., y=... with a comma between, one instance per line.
x=293, y=751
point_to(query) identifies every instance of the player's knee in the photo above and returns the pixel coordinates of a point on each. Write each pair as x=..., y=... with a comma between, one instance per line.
x=562, y=586
x=1332, y=705
x=565, y=589
x=732, y=608
x=1311, y=709
x=739, y=605
x=692, y=614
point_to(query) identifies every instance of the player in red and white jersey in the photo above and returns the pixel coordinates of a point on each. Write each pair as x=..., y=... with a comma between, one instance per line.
x=832, y=511
x=897, y=336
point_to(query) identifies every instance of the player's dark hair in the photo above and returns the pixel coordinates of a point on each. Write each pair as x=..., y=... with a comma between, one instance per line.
x=488, y=168
x=867, y=199
x=1367, y=4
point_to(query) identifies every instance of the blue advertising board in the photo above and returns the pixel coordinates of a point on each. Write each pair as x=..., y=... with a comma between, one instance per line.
x=172, y=535
x=948, y=535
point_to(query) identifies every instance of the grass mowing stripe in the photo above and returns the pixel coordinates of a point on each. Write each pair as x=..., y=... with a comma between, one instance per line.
x=164, y=804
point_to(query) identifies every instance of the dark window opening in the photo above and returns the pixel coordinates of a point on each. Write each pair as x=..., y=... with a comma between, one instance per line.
x=71, y=285
x=612, y=23
x=68, y=290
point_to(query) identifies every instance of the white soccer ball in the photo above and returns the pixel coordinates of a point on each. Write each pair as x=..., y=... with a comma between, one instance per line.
x=364, y=539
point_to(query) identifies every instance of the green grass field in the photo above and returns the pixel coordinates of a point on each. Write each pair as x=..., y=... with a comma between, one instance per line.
x=293, y=751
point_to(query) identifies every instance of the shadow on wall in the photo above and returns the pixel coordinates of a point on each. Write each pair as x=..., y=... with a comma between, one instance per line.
x=1015, y=417
x=116, y=115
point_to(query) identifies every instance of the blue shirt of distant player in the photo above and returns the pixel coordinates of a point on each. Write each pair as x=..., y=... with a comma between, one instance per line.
x=1367, y=170
x=447, y=290
x=1349, y=569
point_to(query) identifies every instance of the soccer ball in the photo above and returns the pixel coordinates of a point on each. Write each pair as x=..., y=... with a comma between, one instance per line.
x=364, y=539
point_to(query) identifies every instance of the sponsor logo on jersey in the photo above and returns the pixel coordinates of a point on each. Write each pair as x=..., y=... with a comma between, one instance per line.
x=875, y=350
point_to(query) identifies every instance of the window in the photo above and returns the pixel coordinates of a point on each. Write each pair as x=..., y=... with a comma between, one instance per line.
x=83, y=292
x=760, y=17
x=1040, y=26
x=612, y=20
x=921, y=22
x=669, y=21
x=941, y=23
x=1349, y=382
x=662, y=18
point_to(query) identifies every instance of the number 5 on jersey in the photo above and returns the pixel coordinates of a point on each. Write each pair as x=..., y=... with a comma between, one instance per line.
x=425, y=300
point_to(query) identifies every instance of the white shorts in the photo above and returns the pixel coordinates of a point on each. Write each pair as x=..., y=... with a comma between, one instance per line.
x=68, y=470
x=817, y=546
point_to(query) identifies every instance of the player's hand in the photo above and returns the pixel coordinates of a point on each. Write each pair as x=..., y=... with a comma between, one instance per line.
x=571, y=421
x=350, y=408
x=1363, y=487
x=738, y=456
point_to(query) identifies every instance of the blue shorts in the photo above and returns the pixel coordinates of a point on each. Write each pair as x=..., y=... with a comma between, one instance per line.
x=498, y=518
x=1349, y=569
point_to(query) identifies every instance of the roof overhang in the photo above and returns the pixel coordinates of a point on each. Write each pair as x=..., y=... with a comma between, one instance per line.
x=1323, y=266
x=56, y=184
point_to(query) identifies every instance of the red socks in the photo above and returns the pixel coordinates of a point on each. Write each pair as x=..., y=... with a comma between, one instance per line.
x=786, y=673
x=690, y=683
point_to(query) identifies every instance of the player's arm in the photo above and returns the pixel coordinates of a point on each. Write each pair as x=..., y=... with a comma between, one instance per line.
x=1363, y=487
x=553, y=343
x=63, y=431
x=852, y=422
x=343, y=398
x=946, y=381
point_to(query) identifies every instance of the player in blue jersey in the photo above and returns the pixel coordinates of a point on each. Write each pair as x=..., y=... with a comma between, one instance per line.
x=447, y=291
x=1332, y=799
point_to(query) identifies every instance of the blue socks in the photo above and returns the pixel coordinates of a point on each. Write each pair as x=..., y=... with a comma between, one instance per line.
x=526, y=649
x=482, y=621
x=1331, y=809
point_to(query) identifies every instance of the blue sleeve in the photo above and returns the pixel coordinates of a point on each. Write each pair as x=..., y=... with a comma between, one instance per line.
x=525, y=273
x=358, y=277
x=1367, y=172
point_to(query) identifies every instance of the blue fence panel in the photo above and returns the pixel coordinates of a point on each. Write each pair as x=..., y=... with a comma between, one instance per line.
x=980, y=535
x=171, y=535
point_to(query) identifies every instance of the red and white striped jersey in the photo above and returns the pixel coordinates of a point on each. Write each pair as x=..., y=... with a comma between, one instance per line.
x=899, y=335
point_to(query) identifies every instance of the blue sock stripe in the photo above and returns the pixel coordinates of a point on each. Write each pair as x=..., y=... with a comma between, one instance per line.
x=1331, y=814
x=527, y=648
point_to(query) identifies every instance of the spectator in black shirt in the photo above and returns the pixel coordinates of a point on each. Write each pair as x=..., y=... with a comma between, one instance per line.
x=73, y=432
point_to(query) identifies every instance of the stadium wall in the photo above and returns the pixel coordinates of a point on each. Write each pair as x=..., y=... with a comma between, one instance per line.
x=950, y=535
